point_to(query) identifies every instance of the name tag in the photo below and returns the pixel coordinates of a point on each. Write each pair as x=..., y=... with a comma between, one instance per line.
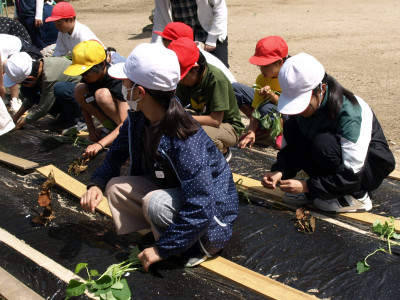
x=160, y=174
x=89, y=99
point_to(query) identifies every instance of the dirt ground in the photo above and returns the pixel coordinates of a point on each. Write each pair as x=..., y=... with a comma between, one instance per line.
x=357, y=41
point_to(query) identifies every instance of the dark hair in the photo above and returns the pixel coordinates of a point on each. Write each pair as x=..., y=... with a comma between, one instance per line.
x=202, y=63
x=99, y=67
x=335, y=96
x=177, y=122
x=111, y=49
x=35, y=68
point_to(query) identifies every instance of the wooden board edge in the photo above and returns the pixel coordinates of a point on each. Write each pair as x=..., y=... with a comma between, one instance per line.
x=253, y=280
x=61, y=178
x=17, y=162
x=394, y=175
x=363, y=217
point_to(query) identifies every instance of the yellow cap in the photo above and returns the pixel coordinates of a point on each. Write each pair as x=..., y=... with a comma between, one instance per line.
x=84, y=56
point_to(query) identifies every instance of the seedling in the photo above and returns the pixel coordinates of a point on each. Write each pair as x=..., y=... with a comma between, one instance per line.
x=241, y=190
x=271, y=121
x=108, y=285
x=387, y=232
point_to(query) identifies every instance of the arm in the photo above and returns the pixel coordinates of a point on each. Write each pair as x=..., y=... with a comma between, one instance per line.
x=249, y=138
x=162, y=16
x=46, y=102
x=214, y=119
x=39, y=13
x=219, y=22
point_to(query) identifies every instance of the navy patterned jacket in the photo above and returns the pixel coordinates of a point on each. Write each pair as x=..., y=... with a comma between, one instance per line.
x=206, y=181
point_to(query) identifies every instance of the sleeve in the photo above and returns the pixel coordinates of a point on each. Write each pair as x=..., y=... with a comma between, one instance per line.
x=196, y=214
x=257, y=99
x=161, y=18
x=46, y=102
x=219, y=23
x=39, y=9
x=217, y=95
x=60, y=48
x=115, y=158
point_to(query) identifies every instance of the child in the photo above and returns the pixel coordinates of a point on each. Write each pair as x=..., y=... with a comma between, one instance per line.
x=9, y=45
x=38, y=79
x=176, y=30
x=71, y=32
x=98, y=94
x=179, y=183
x=333, y=136
x=271, y=52
x=31, y=14
x=210, y=95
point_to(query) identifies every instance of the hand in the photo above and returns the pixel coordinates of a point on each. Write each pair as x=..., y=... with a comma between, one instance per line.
x=20, y=124
x=247, y=138
x=38, y=23
x=209, y=48
x=294, y=186
x=95, y=134
x=149, y=256
x=91, y=199
x=92, y=150
x=270, y=179
x=266, y=91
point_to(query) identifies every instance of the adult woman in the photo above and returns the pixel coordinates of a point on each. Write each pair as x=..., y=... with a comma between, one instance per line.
x=333, y=135
x=187, y=194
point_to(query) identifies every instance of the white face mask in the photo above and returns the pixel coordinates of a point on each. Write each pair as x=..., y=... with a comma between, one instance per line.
x=132, y=104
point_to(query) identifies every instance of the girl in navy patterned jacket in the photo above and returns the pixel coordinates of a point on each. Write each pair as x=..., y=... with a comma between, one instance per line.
x=179, y=183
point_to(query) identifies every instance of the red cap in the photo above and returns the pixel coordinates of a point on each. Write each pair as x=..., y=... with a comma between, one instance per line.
x=176, y=30
x=187, y=53
x=62, y=10
x=269, y=50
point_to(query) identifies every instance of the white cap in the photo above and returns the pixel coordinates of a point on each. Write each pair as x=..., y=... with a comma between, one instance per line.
x=299, y=75
x=150, y=65
x=17, y=69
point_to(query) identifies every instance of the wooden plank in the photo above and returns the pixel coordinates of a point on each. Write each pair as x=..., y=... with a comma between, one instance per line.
x=72, y=186
x=394, y=175
x=253, y=280
x=218, y=265
x=17, y=162
x=255, y=186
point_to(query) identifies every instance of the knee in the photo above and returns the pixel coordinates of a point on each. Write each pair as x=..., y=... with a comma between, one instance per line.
x=62, y=89
x=80, y=91
x=103, y=96
x=111, y=190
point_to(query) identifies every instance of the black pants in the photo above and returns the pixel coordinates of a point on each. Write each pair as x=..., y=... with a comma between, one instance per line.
x=221, y=51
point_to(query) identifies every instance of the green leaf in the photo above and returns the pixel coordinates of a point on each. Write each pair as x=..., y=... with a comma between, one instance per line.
x=117, y=286
x=75, y=288
x=103, y=283
x=94, y=273
x=133, y=257
x=396, y=236
x=79, y=267
x=124, y=293
x=361, y=267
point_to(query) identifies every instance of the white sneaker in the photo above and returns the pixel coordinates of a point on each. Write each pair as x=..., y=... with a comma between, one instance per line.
x=345, y=204
x=296, y=199
x=15, y=105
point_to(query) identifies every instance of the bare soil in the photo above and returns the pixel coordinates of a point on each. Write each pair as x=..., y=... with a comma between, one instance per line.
x=357, y=41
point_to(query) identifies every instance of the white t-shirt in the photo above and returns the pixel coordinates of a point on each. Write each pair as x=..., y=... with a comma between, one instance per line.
x=9, y=45
x=211, y=59
x=66, y=42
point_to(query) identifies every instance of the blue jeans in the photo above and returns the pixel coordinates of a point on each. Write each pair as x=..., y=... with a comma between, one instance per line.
x=71, y=109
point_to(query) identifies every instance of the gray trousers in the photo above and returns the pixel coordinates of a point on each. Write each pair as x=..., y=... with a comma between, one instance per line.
x=137, y=203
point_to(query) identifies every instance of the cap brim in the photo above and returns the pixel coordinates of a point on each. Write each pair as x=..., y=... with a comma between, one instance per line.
x=51, y=19
x=117, y=71
x=293, y=106
x=75, y=70
x=262, y=61
x=8, y=82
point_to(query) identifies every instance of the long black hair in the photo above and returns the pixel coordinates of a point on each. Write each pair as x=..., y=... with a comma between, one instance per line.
x=335, y=96
x=177, y=122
